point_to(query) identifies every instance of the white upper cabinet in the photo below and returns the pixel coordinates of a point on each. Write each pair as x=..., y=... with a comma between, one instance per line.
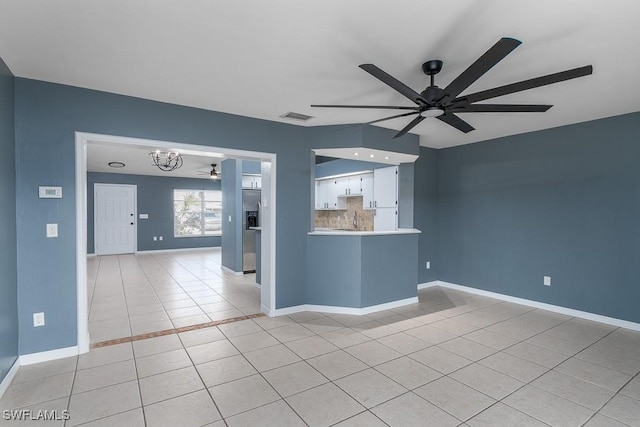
x=349, y=185
x=367, y=190
x=355, y=184
x=252, y=181
x=321, y=195
x=342, y=185
x=326, y=194
x=385, y=187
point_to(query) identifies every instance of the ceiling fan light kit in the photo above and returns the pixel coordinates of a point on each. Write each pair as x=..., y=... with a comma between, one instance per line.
x=166, y=160
x=444, y=104
x=213, y=173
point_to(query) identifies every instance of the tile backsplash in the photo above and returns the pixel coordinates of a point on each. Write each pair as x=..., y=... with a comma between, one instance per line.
x=344, y=219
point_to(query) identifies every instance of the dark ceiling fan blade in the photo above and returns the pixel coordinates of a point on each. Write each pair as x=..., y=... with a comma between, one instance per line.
x=495, y=54
x=456, y=122
x=413, y=123
x=500, y=108
x=380, y=107
x=392, y=117
x=527, y=84
x=394, y=83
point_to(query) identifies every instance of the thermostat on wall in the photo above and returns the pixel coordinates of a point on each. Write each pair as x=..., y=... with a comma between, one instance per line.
x=50, y=192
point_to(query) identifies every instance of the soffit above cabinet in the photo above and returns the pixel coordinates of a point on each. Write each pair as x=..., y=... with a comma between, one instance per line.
x=367, y=155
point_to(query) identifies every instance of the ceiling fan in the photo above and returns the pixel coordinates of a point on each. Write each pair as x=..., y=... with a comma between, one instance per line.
x=213, y=173
x=445, y=104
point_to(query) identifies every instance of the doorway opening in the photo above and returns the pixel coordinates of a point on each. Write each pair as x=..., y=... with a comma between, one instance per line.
x=267, y=222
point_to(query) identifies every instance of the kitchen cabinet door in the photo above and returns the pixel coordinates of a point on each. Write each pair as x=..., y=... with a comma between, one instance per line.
x=355, y=185
x=385, y=187
x=342, y=186
x=251, y=181
x=385, y=219
x=332, y=193
x=321, y=195
x=367, y=190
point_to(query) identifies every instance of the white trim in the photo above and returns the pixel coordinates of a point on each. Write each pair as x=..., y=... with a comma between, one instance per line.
x=428, y=284
x=346, y=310
x=135, y=215
x=343, y=175
x=6, y=381
x=82, y=298
x=82, y=139
x=334, y=232
x=178, y=250
x=230, y=271
x=541, y=305
x=91, y=255
x=46, y=356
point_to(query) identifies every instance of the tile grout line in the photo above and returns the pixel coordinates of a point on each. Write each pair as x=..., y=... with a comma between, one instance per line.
x=262, y=376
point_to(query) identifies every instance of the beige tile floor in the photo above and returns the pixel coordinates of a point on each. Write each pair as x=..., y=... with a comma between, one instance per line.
x=453, y=359
x=138, y=294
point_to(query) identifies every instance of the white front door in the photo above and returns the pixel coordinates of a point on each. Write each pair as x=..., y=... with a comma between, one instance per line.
x=114, y=219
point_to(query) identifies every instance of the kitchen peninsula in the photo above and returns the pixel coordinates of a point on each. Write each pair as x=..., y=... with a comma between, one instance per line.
x=362, y=269
x=362, y=249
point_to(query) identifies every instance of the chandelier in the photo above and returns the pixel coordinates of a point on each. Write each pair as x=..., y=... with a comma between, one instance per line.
x=166, y=160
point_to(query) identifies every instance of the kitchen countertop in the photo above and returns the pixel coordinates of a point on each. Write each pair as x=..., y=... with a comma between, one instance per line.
x=333, y=232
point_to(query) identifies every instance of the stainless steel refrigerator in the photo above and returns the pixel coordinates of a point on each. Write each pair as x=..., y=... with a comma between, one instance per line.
x=250, y=218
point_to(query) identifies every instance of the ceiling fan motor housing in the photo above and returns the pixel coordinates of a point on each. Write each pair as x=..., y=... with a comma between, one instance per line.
x=432, y=67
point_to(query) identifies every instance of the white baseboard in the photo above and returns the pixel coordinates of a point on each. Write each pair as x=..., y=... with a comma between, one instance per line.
x=230, y=271
x=428, y=284
x=46, y=356
x=91, y=255
x=345, y=310
x=535, y=304
x=152, y=251
x=6, y=381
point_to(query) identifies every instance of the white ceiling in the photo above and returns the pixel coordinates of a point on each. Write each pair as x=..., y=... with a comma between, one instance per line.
x=263, y=58
x=138, y=162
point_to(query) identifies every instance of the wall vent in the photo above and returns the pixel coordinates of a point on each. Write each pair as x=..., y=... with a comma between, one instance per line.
x=296, y=116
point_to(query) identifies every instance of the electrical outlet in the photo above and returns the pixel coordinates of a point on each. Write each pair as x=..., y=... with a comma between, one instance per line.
x=547, y=281
x=38, y=319
x=52, y=230
x=229, y=218
x=160, y=238
x=428, y=265
x=155, y=238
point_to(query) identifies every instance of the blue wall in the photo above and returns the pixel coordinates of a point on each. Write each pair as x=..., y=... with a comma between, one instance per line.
x=47, y=117
x=562, y=202
x=251, y=167
x=425, y=215
x=361, y=271
x=232, y=207
x=8, y=262
x=155, y=197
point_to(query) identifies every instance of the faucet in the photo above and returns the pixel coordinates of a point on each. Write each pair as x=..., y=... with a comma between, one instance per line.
x=355, y=220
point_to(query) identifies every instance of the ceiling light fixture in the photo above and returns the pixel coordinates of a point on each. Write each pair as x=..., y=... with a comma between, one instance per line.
x=386, y=157
x=355, y=154
x=432, y=112
x=371, y=155
x=214, y=173
x=166, y=160
x=116, y=164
